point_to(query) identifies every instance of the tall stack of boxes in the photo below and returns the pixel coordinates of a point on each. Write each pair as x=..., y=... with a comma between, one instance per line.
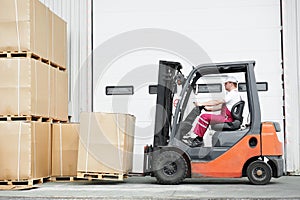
x=36, y=140
x=33, y=87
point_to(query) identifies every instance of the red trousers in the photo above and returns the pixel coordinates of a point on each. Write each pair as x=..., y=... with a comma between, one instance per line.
x=206, y=119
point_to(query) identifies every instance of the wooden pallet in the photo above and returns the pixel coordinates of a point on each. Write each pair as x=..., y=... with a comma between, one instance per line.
x=26, y=54
x=53, y=64
x=24, y=118
x=27, y=182
x=56, y=121
x=19, y=54
x=63, y=178
x=101, y=176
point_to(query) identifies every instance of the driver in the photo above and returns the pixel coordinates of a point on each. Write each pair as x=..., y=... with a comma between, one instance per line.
x=232, y=97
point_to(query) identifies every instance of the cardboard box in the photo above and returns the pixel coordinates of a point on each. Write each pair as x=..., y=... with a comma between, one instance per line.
x=61, y=96
x=59, y=41
x=24, y=27
x=25, y=150
x=106, y=143
x=28, y=25
x=24, y=87
x=65, y=138
x=30, y=87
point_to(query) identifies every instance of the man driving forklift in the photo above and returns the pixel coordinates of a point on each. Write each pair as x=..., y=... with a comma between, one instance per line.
x=224, y=105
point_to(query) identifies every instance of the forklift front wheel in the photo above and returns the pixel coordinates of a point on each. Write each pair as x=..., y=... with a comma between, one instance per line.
x=170, y=168
x=259, y=172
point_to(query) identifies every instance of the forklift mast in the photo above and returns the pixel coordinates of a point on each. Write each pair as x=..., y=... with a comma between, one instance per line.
x=165, y=92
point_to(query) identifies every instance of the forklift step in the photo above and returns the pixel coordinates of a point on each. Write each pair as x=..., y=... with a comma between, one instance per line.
x=228, y=138
x=199, y=153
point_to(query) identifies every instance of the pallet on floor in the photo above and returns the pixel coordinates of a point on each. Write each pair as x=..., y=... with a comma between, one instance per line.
x=27, y=182
x=63, y=178
x=101, y=176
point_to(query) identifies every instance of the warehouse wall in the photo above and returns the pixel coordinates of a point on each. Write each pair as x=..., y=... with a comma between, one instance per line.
x=77, y=14
x=291, y=55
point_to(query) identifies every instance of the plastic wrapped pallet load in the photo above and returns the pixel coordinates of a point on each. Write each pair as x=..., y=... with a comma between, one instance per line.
x=65, y=149
x=105, y=143
x=30, y=87
x=25, y=150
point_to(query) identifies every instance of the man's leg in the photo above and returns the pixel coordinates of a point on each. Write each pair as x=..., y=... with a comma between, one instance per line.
x=186, y=125
x=202, y=124
x=193, y=114
x=204, y=121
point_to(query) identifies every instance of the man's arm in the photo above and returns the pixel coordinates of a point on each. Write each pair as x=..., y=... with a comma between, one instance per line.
x=210, y=103
x=213, y=105
x=213, y=108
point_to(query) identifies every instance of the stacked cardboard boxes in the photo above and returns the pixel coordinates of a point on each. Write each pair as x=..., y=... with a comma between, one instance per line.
x=33, y=85
x=101, y=145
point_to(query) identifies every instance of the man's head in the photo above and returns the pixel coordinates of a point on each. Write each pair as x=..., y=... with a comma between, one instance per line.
x=180, y=79
x=230, y=83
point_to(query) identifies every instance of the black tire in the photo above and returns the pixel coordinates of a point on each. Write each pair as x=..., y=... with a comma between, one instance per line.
x=259, y=173
x=170, y=168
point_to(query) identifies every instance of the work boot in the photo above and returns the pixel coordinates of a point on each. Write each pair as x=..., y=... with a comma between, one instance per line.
x=187, y=139
x=197, y=142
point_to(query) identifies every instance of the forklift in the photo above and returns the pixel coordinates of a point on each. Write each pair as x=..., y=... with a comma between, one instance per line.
x=238, y=150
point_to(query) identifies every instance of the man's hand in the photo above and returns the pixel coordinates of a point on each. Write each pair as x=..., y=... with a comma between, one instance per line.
x=197, y=104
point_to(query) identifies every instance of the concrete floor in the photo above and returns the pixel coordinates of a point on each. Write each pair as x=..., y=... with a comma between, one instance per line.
x=287, y=187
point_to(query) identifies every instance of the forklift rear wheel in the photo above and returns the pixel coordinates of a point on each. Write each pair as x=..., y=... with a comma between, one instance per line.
x=259, y=173
x=170, y=168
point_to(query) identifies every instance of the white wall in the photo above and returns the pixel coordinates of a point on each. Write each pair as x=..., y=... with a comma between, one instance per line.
x=291, y=52
x=77, y=14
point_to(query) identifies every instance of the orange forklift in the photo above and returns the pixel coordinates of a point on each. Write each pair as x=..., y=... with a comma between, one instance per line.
x=238, y=150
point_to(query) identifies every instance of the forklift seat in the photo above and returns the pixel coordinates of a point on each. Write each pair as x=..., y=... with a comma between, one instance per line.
x=237, y=114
